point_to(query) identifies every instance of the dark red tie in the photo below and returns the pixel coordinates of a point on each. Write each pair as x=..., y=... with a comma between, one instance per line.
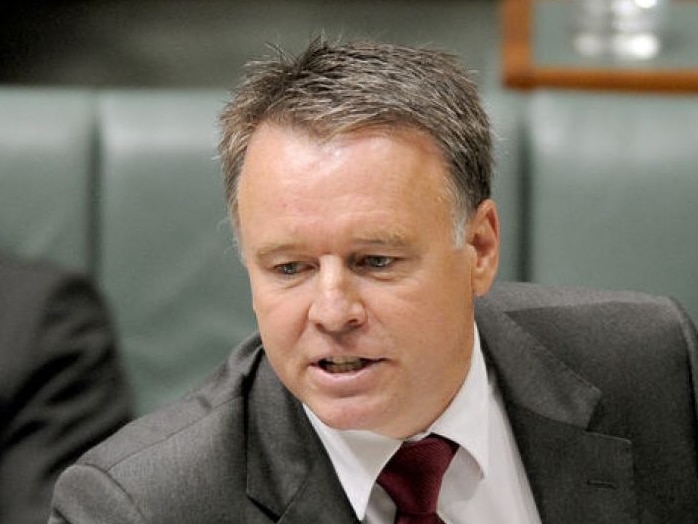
x=412, y=478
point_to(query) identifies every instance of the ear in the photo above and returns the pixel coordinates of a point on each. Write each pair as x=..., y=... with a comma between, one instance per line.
x=483, y=240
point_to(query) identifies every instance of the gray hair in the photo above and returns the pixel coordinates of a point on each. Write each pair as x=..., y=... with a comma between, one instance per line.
x=336, y=89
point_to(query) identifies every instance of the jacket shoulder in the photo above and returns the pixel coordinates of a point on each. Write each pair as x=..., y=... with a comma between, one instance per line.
x=512, y=296
x=170, y=428
x=185, y=462
x=580, y=322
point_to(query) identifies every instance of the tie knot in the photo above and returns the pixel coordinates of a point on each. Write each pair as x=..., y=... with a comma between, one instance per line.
x=412, y=477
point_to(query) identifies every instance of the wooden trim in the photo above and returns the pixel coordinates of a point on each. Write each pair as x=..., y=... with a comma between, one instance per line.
x=519, y=71
x=516, y=48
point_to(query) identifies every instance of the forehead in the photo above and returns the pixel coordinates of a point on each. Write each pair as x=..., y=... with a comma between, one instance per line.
x=326, y=131
x=290, y=177
x=379, y=156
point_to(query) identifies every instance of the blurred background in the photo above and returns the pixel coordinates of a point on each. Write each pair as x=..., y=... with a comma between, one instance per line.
x=203, y=43
x=108, y=152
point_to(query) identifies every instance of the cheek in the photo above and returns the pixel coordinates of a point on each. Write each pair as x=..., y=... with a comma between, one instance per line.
x=281, y=316
x=439, y=297
x=268, y=297
x=280, y=338
x=440, y=315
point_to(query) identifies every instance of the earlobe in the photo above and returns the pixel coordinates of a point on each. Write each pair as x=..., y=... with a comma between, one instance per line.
x=483, y=236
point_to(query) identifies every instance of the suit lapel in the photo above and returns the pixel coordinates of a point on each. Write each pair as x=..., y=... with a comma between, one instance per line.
x=576, y=476
x=289, y=474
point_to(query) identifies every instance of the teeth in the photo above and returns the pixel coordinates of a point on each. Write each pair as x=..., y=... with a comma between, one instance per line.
x=342, y=360
x=342, y=364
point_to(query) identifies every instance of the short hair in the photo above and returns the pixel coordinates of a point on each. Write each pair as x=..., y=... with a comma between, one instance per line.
x=333, y=89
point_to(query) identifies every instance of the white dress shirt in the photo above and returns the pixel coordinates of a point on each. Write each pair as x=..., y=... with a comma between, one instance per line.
x=485, y=482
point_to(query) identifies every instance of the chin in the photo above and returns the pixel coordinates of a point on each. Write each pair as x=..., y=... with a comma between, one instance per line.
x=344, y=417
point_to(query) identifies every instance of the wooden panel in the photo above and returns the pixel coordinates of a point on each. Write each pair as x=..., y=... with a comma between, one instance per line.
x=521, y=71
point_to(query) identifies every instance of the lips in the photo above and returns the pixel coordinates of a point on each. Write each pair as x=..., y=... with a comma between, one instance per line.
x=344, y=364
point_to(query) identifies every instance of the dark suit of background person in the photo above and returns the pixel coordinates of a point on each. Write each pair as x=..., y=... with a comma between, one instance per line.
x=600, y=389
x=61, y=386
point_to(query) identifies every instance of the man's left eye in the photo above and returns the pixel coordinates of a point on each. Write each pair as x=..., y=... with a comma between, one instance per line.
x=376, y=261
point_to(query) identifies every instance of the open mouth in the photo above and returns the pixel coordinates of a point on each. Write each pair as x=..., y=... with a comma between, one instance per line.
x=344, y=364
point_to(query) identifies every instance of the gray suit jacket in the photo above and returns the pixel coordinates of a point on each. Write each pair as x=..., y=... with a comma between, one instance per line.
x=600, y=389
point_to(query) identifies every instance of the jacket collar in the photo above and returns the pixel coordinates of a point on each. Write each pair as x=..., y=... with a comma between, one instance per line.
x=533, y=378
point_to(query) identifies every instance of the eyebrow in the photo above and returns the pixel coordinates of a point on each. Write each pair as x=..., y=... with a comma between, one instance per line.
x=395, y=240
x=391, y=240
x=273, y=249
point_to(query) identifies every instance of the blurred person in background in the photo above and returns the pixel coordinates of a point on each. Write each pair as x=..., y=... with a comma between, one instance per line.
x=62, y=389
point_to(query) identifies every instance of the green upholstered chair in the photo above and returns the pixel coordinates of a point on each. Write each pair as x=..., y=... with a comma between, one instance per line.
x=167, y=259
x=614, y=192
x=46, y=174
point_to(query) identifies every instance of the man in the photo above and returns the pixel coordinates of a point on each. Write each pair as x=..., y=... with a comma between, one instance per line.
x=358, y=179
x=61, y=385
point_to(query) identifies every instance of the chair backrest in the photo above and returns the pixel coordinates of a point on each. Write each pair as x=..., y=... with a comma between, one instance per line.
x=167, y=259
x=47, y=164
x=614, y=192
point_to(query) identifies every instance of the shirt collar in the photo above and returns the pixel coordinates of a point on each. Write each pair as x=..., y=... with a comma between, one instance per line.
x=359, y=456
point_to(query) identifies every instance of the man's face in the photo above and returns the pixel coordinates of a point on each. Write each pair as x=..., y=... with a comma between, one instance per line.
x=364, y=303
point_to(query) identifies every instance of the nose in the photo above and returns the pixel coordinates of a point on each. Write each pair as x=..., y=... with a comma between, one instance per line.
x=336, y=306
